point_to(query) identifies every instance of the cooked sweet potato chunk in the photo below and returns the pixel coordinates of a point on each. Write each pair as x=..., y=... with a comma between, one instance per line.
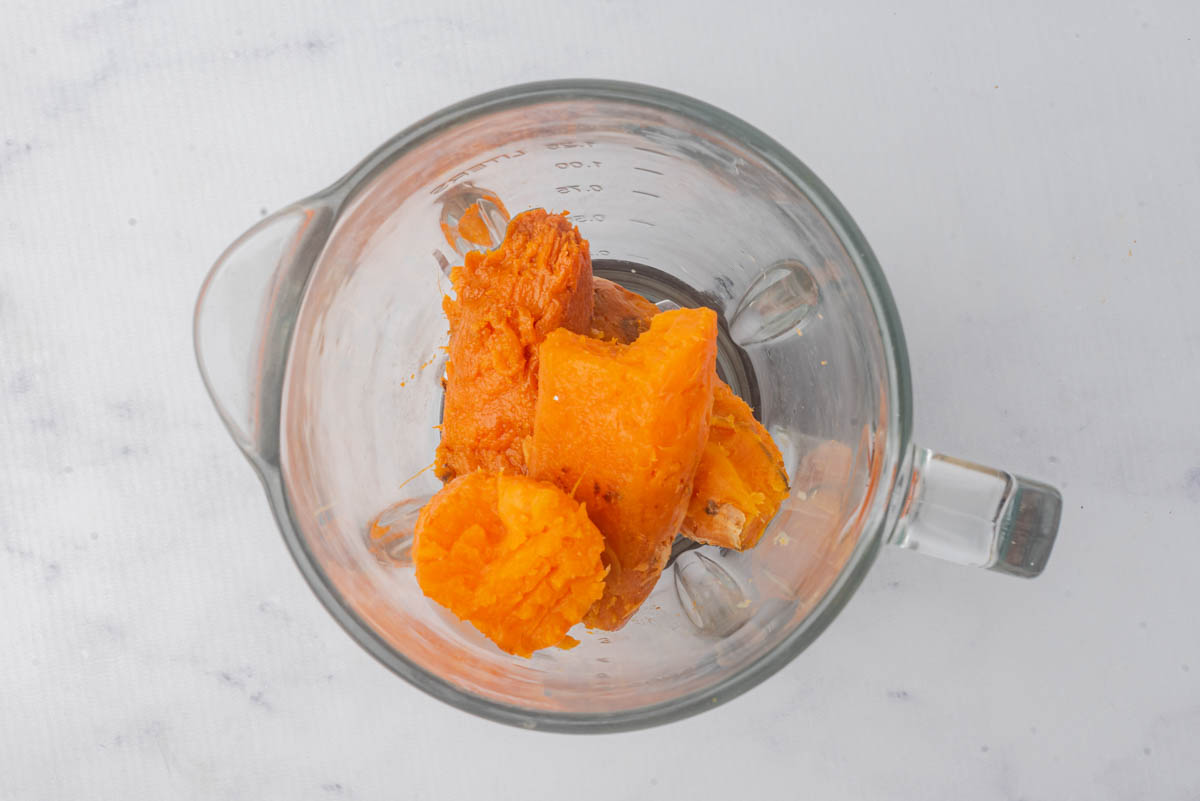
x=506, y=302
x=517, y=558
x=623, y=428
x=741, y=481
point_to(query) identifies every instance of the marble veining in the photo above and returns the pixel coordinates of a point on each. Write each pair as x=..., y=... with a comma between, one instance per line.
x=1029, y=182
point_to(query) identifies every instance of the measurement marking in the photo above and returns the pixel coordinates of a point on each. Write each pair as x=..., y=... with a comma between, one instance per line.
x=647, y=169
x=652, y=150
x=642, y=222
x=647, y=194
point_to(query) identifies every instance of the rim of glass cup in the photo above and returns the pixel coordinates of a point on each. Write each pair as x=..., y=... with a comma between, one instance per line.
x=882, y=506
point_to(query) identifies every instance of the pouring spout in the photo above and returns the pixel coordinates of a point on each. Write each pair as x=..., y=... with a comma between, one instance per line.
x=244, y=319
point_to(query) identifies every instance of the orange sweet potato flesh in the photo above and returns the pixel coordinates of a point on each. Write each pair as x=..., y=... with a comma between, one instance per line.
x=517, y=558
x=623, y=427
x=506, y=302
x=741, y=480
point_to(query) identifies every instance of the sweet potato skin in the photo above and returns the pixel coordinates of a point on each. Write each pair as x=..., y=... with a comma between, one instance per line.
x=623, y=428
x=619, y=315
x=506, y=302
x=741, y=481
x=517, y=558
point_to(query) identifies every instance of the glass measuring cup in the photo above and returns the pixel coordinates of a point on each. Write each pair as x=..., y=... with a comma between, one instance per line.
x=319, y=336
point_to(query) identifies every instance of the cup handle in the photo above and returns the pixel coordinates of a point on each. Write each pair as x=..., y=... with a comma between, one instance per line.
x=978, y=516
x=244, y=319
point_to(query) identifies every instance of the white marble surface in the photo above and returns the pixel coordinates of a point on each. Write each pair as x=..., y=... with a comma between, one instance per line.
x=1030, y=180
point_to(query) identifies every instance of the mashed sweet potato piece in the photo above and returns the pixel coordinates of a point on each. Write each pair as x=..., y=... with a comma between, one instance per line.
x=622, y=427
x=517, y=558
x=741, y=481
x=506, y=302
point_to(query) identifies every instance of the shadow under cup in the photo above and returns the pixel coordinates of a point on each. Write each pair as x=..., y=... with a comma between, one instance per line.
x=681, y=202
